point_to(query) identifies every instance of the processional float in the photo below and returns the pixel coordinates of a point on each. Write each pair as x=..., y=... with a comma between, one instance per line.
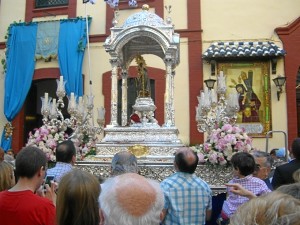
x=142, y=33
x=154, y=145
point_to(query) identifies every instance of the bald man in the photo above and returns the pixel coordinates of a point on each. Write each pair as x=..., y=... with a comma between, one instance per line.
x=130, y=199
x=188, y=199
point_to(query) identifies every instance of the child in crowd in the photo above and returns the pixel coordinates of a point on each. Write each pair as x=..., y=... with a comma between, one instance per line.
x=243, y=166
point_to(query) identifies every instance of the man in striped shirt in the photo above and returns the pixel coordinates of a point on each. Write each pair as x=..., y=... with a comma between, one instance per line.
x=188, y=199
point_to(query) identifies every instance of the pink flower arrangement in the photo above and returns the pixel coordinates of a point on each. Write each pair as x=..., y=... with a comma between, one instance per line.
x=222, y=143
x=47, y=138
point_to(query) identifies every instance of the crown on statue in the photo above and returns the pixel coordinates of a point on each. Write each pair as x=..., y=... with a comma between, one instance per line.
x=140, y=60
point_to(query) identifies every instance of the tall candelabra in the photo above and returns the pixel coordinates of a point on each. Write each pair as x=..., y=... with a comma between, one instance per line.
x=81, y=119
x=214, y=108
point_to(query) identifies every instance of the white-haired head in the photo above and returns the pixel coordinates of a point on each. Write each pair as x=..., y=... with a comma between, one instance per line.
x=131, y=199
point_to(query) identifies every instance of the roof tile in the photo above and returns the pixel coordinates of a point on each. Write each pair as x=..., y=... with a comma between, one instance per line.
x=236, y=49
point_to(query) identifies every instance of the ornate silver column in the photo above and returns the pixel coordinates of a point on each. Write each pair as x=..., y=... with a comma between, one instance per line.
x=124, y=97
x=172, y=99
x=114, y=92
x=168, y=93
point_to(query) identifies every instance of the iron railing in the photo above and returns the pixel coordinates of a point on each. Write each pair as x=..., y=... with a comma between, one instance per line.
x=50, y=3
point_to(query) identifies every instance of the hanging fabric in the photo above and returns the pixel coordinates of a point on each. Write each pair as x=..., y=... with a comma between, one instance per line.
x=47, y=40
x=71, y=45
x=20, y=69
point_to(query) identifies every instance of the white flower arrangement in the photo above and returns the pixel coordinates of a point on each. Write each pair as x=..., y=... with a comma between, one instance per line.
x=222, y=144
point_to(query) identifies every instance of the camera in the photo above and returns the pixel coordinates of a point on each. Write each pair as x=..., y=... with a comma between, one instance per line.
x=48, y=180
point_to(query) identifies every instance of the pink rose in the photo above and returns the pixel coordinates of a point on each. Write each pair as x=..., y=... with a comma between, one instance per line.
x=227, y=128
x=44, y=131
x=201, y=157
x=213, y=158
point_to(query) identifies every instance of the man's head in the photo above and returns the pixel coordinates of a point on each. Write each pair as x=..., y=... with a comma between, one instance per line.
x=243, y=162
x=186, y=160
x=131, y=199
x=290, y=189
x=66, y=152
x=296, y=176
x=264, y=162
x=296, y=148
x=272, y=208
x=31, y=162
x=124, y=162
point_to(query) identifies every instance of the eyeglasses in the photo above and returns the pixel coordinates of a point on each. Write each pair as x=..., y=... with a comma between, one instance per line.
x=257, y=167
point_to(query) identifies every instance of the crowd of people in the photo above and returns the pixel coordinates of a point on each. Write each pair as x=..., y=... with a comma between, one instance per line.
x=76, y=197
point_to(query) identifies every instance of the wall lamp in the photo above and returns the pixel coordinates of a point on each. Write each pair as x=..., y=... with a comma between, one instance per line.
x=279, y=82
x=210, y=83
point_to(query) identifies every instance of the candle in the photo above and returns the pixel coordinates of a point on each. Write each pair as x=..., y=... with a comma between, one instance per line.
x=80, y=106
x=72, y=100
x=80, y=101
x=237, y=104
x=214, y=98
x=46, y=99
x=90, y=100
x=197, y=113
x=101, y=113
x=202, y=97
x=53, y=107
x=221, y=83
x=61, y=82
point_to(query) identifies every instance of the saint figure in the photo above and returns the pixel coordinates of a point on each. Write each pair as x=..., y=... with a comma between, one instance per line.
x=142, y=80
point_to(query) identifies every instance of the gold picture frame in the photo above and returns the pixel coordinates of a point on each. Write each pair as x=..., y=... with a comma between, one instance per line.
x=252, y=81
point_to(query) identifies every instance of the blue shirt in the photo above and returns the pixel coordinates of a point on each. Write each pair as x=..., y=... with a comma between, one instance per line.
x=59, y=170
x=187, y=198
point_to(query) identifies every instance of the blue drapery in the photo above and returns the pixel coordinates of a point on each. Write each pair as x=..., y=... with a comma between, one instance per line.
x=71, y=44
x=20, y=68
x=21, y=45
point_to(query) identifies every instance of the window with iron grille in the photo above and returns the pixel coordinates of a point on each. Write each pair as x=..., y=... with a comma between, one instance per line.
x=50, y=3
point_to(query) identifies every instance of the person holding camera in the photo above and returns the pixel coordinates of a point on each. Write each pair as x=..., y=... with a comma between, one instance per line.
x=20, y=204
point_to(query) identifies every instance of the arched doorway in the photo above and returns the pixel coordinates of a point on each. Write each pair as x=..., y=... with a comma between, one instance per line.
x=21, y=130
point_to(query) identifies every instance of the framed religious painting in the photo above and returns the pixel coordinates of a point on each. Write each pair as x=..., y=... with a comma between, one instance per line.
x=251, y=80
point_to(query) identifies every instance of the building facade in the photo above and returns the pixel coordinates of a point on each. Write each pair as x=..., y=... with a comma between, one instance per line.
x=200, y=24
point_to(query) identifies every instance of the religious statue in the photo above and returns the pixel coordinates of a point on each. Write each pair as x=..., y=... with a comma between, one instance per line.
x=142, y=80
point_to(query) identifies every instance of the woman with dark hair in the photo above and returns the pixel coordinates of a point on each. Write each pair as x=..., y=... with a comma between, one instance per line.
x=77, y=199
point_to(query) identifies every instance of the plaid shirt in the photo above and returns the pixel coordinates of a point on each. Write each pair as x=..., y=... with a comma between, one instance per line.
x=187, y=198
x=59, y=170
x=233, y=201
